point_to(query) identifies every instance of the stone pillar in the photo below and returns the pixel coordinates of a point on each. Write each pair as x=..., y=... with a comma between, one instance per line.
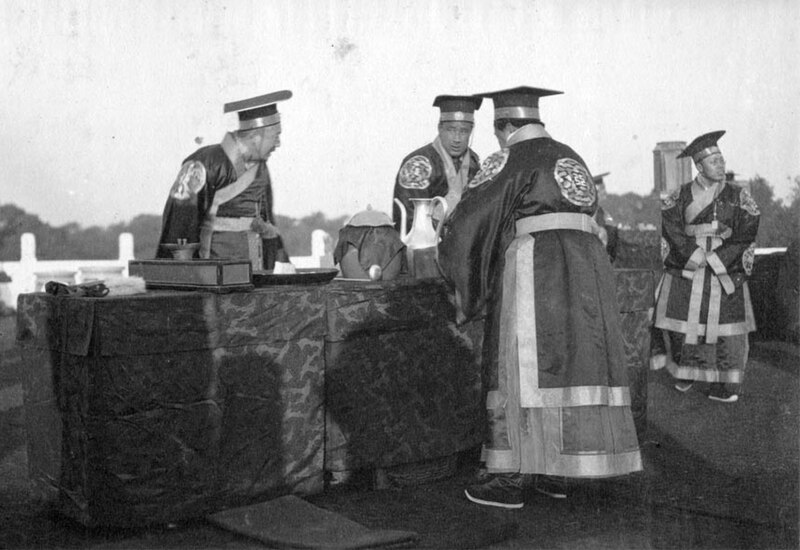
x=125, y=251
x=669, y=171
x=125, y=247
x=322, y=248
x=27, y=248
x=27, y=264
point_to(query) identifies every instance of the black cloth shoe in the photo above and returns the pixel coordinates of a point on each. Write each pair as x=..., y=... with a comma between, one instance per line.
x=552, y=486
x=683, y=385
x=720, y=393
x=502, y=490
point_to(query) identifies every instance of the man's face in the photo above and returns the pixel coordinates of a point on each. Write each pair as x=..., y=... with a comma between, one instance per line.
x=712, y=167
x=268, y=141
x=454, y=136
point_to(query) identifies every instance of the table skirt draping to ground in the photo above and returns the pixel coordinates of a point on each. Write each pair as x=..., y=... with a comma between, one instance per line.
x=158, y=407
x=403, y=382
x=168, y=405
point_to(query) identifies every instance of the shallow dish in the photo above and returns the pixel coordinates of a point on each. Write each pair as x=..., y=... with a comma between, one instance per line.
x=304, y=276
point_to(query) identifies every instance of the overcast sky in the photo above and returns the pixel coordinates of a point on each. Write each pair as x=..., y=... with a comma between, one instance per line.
x=103, y=100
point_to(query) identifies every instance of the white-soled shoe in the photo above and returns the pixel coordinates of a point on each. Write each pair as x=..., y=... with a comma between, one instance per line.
x=720, y=393
x=554, y=487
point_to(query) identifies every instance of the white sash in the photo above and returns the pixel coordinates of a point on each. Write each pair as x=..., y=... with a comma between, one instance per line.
x=456, y=181
x=221, y=197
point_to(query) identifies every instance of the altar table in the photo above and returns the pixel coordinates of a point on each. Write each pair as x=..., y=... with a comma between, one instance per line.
x=162, y=406
x=173, y=404
x=403, y=382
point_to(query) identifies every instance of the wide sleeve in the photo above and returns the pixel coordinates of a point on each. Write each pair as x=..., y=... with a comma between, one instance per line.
x=679, y=250
x=185, y=208
x=732, y=256
x=471, y=253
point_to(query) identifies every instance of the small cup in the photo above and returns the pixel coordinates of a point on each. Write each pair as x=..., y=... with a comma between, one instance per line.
x=182, y=251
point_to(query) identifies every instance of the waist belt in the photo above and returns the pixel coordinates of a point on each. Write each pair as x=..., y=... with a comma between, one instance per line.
x=704, y=230
x=231, y=224
x=559, y=220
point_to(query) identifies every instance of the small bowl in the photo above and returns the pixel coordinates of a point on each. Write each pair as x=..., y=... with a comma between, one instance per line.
x=182, y=251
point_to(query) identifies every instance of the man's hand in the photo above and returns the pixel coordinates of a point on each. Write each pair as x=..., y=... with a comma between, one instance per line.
x=264, y=228
x=602, y=233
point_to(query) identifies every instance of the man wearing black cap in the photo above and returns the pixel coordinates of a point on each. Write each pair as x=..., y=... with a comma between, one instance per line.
x=522, y=247
x=708, y=230
x=222, y=197
x=442, y=168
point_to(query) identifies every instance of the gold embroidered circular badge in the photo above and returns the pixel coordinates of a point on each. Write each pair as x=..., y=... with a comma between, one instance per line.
x=191, y=179
x=415, y=173
x=490, y=167
x=575, y=182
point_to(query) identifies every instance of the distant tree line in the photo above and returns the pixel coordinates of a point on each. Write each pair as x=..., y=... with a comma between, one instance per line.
x=98, y=243
x=780, y=224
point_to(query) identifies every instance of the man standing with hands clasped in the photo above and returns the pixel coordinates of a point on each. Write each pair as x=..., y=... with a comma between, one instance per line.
x=703, y=311
x=523, y=248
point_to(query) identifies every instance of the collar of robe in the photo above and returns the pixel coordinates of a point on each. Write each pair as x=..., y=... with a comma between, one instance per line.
x=235, y=153
x=529, y=131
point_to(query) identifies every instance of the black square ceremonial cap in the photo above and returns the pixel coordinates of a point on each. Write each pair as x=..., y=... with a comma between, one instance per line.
x=459, y=108
x=258, y=111
x=702, y=146
x=520, y=102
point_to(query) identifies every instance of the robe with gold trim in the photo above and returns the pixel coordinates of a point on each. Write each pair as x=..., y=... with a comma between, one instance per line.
x=203, y=173
x=703, y=310
x=558, y=401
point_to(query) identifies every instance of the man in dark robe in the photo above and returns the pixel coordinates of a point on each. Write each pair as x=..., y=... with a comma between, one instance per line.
x=222, y=197
x=522, y=247
x=703, y=308
x=441, y=168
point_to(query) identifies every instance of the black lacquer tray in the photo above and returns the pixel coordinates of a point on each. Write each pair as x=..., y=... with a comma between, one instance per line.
x=304, y=276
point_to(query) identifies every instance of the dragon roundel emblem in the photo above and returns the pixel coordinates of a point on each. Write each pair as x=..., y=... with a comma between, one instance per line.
x=748, y=259
x=575, y=182
x=415, y=173
x=748, y=204
x=490, y=167
x=191, y=179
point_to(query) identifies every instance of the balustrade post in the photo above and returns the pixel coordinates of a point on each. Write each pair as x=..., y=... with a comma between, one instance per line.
x=322, y=248
x=125, y=251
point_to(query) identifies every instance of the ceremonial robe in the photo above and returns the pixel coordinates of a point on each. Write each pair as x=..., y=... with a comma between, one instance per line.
x=218, y=201
x=430, y=172
x=522, y=247
x=703, y=303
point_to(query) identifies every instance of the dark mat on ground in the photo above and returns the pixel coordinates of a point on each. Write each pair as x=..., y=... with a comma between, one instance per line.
x=736, y=460
x=438, y=512
x=291, y=522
